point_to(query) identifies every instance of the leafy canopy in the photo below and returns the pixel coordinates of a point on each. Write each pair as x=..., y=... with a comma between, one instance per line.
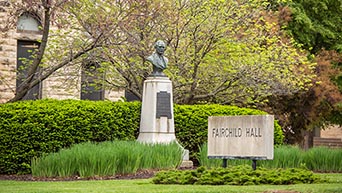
x=317, y=24
x=220, y=51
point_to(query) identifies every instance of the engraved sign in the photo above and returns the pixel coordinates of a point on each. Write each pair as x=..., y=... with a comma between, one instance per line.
x=163, y=105
x=241, y=137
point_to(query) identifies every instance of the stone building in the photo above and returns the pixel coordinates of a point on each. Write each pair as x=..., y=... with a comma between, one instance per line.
x=18, y=44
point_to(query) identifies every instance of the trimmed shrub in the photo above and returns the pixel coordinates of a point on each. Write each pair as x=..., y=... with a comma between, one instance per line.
x=30, y=128
x=237, y=175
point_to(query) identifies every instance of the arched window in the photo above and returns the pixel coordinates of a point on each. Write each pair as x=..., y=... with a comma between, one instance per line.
x=26, y=51
x=28, y=22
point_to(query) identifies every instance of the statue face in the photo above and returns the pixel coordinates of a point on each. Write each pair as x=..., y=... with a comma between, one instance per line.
x=160, y=47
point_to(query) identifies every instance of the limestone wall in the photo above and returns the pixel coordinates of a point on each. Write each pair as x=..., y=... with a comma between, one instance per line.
x=56, y=86
x=332, y=132
x=8, y=57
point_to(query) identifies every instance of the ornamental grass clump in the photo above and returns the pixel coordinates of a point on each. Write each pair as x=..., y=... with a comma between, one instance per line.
x=107, y=159
x=285, y=156
x=322, y=159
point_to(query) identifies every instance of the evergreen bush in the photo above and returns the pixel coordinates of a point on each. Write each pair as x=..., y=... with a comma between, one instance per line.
x=30, y=128
x=237, y=175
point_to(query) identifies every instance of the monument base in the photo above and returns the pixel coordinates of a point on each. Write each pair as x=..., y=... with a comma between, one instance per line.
x=157, y=121
x=154, y=137
x=186, y=164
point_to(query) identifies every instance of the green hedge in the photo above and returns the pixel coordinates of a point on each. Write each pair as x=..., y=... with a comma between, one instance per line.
x=30, y=128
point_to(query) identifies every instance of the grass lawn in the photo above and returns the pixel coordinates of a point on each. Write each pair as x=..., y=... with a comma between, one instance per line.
x=145, y=185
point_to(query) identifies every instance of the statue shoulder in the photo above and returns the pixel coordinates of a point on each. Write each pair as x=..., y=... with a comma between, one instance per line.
x=150, y=58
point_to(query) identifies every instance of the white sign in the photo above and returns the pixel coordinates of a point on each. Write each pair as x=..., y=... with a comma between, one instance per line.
x=241, y=137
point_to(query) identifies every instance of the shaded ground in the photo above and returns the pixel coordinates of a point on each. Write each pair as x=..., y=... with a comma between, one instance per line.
x=143, y=174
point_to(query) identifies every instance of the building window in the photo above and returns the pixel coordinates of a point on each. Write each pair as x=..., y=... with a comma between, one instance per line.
x=28, y=22
x=91, y=82
x=25, y=54
x=130, y=96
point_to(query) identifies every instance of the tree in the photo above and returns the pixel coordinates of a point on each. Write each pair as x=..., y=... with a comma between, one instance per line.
x=72, y=39
x=219, y=51
x=45, y=6
x=317, y=24
x=35, y=74
x=126, y=65
x=299, y=114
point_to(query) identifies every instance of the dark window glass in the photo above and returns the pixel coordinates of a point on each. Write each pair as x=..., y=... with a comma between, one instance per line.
x=25, y=54
x=131, y=96
x=91, y=86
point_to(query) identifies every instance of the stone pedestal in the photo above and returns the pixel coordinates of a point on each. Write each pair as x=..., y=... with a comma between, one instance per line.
x=157, y=121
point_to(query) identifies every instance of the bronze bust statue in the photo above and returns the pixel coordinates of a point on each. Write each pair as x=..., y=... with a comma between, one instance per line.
x=158, y=59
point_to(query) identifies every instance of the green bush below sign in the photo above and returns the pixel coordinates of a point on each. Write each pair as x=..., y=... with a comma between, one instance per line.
x=237, y=175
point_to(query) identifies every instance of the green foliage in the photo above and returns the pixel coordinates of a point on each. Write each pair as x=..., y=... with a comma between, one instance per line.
x=232, y=55
x=237, y=175
x=317, y=24
x=219, y=51
x=31, y=128
x=191, y=123
x=107, y=159
x=336, y=115
x=321, y=159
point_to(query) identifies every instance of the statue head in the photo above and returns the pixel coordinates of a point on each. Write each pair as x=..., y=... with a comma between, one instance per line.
x=160, y=47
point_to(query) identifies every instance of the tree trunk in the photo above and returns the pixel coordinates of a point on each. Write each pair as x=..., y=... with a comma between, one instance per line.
x=33, y=69
x=308, y=139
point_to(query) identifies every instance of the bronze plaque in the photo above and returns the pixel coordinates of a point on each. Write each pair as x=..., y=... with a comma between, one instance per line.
x=163, y=105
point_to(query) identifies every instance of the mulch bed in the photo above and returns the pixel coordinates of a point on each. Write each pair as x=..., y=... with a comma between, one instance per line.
x=142, y=174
